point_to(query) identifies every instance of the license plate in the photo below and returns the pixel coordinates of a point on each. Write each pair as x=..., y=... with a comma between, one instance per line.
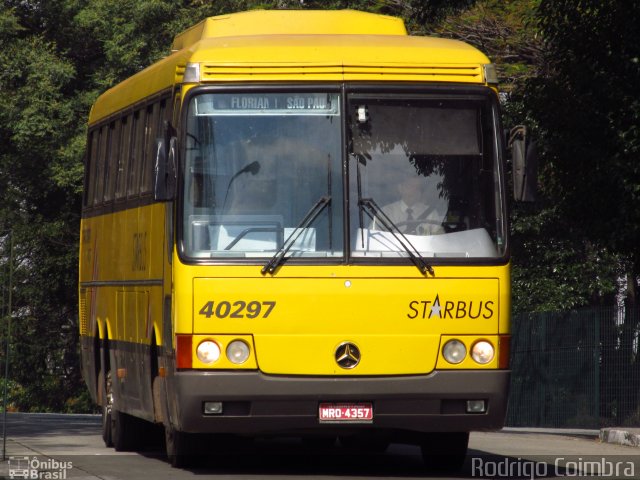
x=345, y=412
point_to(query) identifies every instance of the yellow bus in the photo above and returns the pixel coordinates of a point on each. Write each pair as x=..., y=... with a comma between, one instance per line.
x=295, y=224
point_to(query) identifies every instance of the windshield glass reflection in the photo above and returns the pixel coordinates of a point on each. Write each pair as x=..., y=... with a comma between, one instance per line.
x=255, y=164
x=430, y=166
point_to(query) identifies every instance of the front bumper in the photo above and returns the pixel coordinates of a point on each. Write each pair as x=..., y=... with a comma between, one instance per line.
x=258, y=404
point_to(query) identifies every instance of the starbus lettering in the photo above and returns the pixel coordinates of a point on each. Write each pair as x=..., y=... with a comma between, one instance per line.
x=447, y=309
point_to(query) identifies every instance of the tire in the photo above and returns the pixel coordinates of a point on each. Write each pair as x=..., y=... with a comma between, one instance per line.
x=444, y=452
x=126, y=431
x=106, y=400
x=179, y=447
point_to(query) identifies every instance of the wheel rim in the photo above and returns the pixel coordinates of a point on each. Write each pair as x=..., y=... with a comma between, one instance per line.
x=108, y=406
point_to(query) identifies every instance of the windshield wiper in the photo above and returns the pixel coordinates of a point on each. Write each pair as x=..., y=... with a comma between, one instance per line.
x=375, y=212
x=360, y=206
x=311, y=215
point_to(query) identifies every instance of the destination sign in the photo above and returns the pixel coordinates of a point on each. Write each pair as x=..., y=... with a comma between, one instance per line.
x=267, y=104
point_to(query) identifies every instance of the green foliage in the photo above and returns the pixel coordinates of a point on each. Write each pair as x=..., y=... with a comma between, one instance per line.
x=128, y=35
x=15, y=393
x=504, y=31
x=592, y=133
x=38, y=118
x=586, y=110
x=555, y=270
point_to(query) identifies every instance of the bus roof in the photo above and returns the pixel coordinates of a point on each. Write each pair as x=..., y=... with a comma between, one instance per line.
x=290, y=22
x=304, y=45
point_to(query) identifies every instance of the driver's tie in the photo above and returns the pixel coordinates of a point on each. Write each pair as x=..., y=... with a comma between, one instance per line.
x=410, y=228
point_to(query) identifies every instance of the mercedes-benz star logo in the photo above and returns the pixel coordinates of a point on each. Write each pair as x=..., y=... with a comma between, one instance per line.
x=347, y=355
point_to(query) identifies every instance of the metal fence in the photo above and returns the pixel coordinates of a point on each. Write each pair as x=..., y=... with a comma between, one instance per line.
x=578, y=369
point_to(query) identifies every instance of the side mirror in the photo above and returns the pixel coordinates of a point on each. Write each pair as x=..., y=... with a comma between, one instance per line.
x=164, y=188
x=524, y=157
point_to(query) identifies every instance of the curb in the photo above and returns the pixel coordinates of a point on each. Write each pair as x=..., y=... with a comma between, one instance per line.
x=571, y=432
x=629, y=437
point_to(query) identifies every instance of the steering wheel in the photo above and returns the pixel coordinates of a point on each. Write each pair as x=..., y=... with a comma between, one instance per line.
x=415, y=224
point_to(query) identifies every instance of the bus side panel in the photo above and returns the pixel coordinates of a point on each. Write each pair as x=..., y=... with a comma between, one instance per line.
x=123, y=260
x=140, y=311
x=90, y=333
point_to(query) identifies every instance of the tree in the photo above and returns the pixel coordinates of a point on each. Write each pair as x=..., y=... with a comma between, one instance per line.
x=593, y=141
x=40, y=206
x=593, y=131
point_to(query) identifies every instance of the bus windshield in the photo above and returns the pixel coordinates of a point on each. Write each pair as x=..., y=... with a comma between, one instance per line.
x=256, y=164
x=425, y=175
x=263, y=177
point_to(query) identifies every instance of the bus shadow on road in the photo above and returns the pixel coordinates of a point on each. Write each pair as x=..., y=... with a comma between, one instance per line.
x=291, y=457
x=279, y=457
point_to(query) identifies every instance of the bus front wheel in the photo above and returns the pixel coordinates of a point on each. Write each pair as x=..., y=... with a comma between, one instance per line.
x=179, y=447
x=126, y=431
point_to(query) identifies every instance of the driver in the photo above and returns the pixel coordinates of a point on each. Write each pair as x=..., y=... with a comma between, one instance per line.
x=413, y=214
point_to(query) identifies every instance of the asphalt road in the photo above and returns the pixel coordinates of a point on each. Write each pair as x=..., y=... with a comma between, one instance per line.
x=70, y=446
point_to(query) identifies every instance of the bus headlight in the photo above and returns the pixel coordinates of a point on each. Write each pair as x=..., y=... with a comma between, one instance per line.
x=208, y=351
x=454, y=351
x=482, y=352
x=238, y=352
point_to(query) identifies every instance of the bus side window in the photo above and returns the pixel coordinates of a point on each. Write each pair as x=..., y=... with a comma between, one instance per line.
x=90, y=169
x=173, y=114
x=137, y=143
x=124, y=158
x=165, y=114
x=98, y=181
x=112, y=160
x=151, y=131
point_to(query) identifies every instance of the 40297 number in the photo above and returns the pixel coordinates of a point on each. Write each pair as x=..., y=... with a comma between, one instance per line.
x=238, y=309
